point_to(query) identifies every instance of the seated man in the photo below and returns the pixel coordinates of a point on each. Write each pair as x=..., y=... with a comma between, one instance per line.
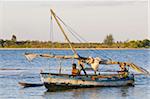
x=75, y=71
x=124, y=71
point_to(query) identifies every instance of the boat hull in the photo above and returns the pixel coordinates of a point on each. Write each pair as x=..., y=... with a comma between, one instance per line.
x=54, y=82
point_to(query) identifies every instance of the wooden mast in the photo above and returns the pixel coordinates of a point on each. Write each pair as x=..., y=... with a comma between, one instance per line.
x=54, y=15
x=74, y=51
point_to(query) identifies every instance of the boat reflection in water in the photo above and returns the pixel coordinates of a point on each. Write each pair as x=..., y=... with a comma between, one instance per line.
x=92, y=93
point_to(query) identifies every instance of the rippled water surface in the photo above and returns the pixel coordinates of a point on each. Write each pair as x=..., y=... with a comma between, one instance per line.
x=22, y=70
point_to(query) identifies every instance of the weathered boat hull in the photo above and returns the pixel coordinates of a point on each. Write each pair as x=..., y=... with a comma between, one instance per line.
x=54, y=82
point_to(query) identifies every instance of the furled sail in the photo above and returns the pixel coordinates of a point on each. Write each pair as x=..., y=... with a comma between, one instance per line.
x=131, y=65
x=31, y=56
x=93, y=62
x=138, y=69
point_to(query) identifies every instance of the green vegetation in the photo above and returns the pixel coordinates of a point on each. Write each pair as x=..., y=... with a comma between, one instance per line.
x=14, y=38
x=107, y=43
x=109, y=40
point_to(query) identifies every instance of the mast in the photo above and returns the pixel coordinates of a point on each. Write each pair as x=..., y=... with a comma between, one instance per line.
x=54, y=15
x=73, y=50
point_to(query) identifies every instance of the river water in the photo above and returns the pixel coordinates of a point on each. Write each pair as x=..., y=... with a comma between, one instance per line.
x=19, y=69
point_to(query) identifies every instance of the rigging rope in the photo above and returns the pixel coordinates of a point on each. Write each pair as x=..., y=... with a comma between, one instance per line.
x=51, y=32
x=78, y=37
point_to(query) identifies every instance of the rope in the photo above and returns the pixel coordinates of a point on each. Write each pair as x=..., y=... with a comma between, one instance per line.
x=51, y=31
x=80, y=38
x=51, y=39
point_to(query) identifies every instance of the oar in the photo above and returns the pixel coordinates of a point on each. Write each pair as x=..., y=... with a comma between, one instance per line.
x=25, y=84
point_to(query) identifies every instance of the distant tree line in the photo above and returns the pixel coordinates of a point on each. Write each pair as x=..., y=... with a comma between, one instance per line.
x=107, y=43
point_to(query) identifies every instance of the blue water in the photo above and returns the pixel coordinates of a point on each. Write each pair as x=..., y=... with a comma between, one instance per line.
x=29, y=72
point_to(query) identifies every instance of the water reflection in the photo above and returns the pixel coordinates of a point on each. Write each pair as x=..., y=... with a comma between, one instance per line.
x=124, y=91
x=90, y=93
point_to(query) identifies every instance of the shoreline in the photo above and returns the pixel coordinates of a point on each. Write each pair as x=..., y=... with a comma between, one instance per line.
x=75, y=48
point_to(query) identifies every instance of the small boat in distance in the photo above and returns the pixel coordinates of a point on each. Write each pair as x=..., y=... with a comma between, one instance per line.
x=61, y=81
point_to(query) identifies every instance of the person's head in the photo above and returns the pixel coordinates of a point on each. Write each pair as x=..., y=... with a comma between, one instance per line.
x=74, y=66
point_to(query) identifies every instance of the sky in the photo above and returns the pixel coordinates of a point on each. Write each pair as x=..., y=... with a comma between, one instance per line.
x=92, y=19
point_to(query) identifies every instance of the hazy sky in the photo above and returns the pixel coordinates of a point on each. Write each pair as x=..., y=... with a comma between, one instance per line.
x=92, y=19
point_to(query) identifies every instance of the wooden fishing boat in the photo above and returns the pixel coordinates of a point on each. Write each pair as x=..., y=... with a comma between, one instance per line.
x=60, y=81
x=54, y=82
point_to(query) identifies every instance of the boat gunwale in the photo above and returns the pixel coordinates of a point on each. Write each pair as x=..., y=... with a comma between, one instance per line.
x=94, y=76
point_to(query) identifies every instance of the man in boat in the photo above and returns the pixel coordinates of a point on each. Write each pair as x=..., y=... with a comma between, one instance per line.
x=123, y=70
x=75, y=71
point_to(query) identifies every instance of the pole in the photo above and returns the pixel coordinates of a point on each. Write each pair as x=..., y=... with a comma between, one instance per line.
x=54, y=15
